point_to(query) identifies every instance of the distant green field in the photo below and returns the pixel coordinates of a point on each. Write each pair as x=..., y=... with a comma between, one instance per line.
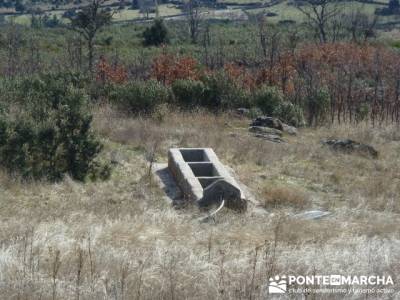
x=121, y=15
x=285, y=11
x=130, y=14
x=25, y=19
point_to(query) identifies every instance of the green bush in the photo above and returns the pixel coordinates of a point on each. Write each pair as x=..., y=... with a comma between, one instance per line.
x=268, y=99
x=317, y=105
x=222, y=93
x=289, y=113
x=51, y=134
x=188, y=93
x=156, y=35
x=140, y=97
x=362, y=112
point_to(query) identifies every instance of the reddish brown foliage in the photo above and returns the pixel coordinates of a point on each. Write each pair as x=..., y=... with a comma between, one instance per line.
x=362, y=81
x=106, y=73
x=354, y=75
x=240, y=75
x=280, y=74
x=168, y=68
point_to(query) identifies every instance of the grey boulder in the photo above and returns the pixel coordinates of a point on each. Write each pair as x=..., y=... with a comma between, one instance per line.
x=350, y=146
x=274, y=123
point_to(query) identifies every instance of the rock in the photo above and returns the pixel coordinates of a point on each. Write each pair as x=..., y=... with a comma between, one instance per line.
x=350, y=146
x=117, y=157
x=269, y=137
x=245, y=112
x=265, y=130
x=274, y=123
x=312, y=215
x=289, y=129
x=268, y=122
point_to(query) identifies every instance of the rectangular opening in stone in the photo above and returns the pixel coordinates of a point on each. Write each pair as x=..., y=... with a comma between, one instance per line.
x=203, y=169
x=206, y=181
x=194, y=155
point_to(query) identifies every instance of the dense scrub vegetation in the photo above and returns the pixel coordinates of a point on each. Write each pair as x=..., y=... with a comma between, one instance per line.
x=45, y=129
x=300, y=74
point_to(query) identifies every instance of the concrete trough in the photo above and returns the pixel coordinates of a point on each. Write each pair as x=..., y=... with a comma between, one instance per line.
x=203, y=179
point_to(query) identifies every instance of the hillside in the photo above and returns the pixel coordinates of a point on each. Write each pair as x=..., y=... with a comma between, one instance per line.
x=300, y=104
x=234, y=10
x=120, y=239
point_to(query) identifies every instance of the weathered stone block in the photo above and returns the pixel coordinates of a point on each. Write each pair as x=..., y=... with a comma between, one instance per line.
x=203, y=179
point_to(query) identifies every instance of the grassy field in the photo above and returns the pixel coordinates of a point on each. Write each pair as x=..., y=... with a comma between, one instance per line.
x=126, y=14
x=121, y=239
x=284, y=10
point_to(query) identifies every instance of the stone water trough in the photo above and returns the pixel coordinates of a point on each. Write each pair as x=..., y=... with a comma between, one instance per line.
x=202, y=178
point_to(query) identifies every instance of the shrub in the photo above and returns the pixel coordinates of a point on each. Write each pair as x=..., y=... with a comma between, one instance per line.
x=156, y=35
x=318, y=104
x=168, y=68
x=188, y=93
x=362, y=112
x=268, y=99
x=140, y=97
x=289, y=113
x=222, y=93
x=51, y=136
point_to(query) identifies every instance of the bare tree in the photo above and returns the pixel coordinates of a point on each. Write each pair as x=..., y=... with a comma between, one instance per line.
x=14, y=42
x=88, y=22
x=74, y=49
x=206, y=44
x=269, y=41
x=320, y=13
x=360, y=26
x=193, y=15
x=148, y=6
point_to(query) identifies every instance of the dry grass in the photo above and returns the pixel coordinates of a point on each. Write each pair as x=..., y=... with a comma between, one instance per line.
x=120, y=240
x=277, y=196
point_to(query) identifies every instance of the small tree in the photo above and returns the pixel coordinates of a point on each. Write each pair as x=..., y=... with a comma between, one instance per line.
x=146, y=7
x=319, y=14
x=156, y=35
x=88, y=22
x=192, y=9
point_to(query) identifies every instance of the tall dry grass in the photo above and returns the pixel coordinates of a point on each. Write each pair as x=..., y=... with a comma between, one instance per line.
x=120, y=240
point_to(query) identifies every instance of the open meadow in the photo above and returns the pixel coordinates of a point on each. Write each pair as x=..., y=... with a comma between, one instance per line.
x=121, y=239
x=299, y=100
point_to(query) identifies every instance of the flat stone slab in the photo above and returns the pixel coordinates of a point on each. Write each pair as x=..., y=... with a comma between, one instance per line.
x=312, y=215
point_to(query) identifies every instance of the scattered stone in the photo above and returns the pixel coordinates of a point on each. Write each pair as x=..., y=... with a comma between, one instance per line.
x=117, y=157
x=245, y=112
x=273, y=123
x=350, y=146
x=265, y=130
x=312, y=215
x=233, y=134
x=268, y=122
x=289, y=129
x=270, y=137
